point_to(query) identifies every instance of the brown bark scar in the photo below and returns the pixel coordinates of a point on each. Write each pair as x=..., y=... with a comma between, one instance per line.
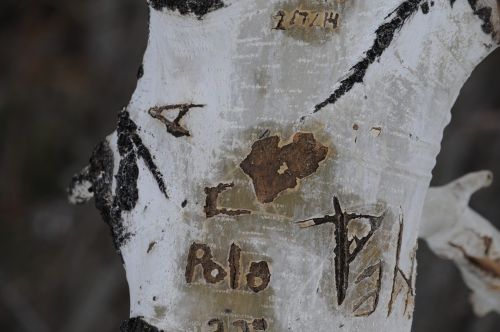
x=211, y=209
x=274, y=169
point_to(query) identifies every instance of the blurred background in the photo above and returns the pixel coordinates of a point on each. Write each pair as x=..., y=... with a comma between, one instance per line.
x=66, y=68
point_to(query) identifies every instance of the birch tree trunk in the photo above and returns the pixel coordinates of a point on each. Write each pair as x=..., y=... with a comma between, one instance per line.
x=270, y=170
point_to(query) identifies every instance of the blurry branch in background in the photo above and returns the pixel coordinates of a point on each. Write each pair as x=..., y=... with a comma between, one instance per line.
x=454, y=231
x=23, y=312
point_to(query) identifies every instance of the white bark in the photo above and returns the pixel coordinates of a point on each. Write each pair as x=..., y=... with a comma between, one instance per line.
x=456, y=232
x=251, y=89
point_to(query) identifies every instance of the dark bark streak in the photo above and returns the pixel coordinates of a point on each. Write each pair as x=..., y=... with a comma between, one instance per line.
x=136, y=324
x=343, y=256
x=384, y=36
x=185, y=7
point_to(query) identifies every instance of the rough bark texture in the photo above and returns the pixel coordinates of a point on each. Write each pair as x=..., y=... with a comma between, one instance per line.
x=301, y=103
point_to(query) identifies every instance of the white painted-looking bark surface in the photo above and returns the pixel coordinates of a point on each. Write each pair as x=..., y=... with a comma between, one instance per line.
x=270, y=171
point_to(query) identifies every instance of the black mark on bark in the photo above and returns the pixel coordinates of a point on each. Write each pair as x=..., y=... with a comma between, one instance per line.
x=136, y=324
x=211, y=209
x=197, y=7
x=173, y=127
x=274, y=169
x=408, y=280
x=425, y=8
x=151, y=246
x=140, y=71
x=384, y=37
x=100, y=174
x=484, y=13
x=343, y=255
x=127, y=139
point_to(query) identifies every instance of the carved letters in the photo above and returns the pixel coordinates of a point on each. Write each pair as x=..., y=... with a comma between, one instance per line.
x=240, y=325
x=257, y=278
x=400, y=279
x=211, y=209
x=363, y=307
x=173, y=127
x=344, y=255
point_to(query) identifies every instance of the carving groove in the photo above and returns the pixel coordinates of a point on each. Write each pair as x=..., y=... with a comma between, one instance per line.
x=207, y=263
x=343, y=256
x=173, y=127
x=234, y=266
x=219, y=324
x=410, y=294
x=259, y=276
x=375, y=294
x=211, y=209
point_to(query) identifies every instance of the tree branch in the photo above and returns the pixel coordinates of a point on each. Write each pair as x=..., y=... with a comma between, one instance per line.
x=454, y=231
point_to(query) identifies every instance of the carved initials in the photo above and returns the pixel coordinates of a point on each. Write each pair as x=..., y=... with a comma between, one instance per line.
x=397, y=285
x=343, y=255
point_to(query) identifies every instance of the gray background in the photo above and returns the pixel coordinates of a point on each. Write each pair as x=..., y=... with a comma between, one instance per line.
x=66, y=68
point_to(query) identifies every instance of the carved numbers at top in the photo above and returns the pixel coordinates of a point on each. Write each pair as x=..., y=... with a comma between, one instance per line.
x=302, y=18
